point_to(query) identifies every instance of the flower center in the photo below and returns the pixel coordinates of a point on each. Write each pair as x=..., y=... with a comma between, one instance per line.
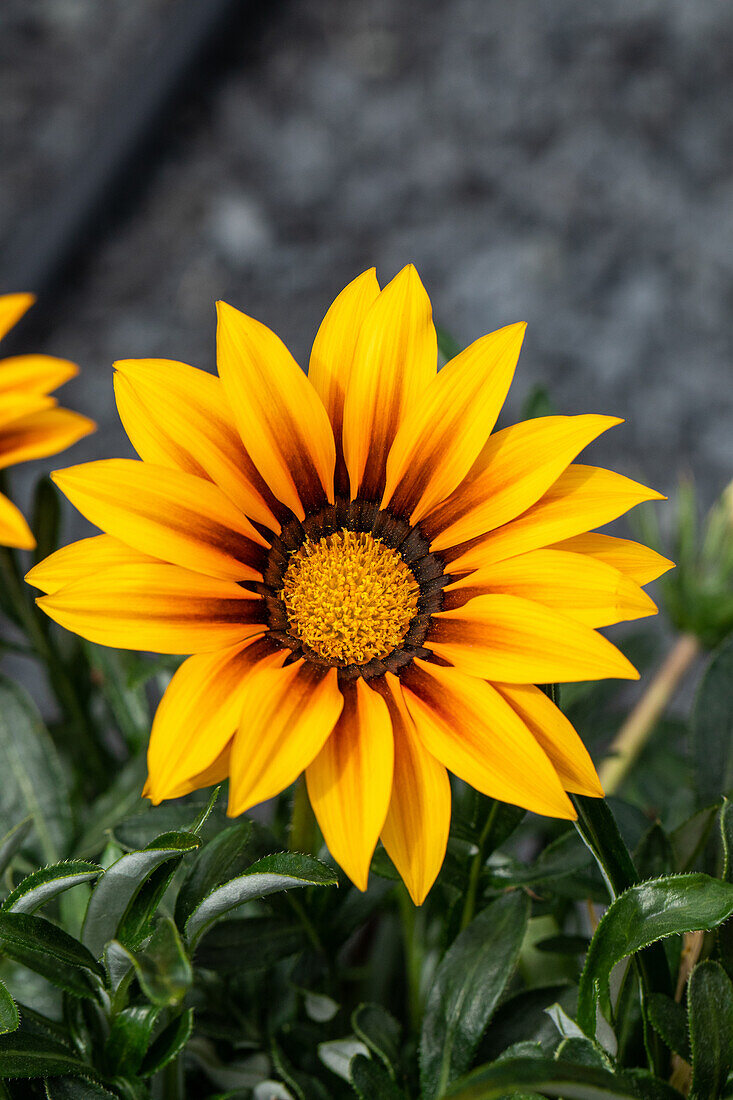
x=348, y=597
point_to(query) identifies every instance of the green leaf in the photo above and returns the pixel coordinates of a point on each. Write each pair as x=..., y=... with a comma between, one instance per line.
x=710, y=1011
x=712, y=727
x=121, y=797
x=251, y=944
x=216, y=862
x=75, y=1088
x=582, y=1051
x=46, y=883
x=13, y=841
x=380, y=1031
x=371, y=1081
x=563, y=856
x=654, y=855
x=643, y=915
x=50, y=952
x=163, y=968
x=120, y=884
x=669, y=1019
x=23, y=1055
x=283, y=871
x=33, y=780
x=649, y=1087
x=9, y=1016
x=168, y=1045
x=554, y=1079
x=689, y=839
x=467, y=987
x=128, y=1039
x=46, y=520
x=337, y=1054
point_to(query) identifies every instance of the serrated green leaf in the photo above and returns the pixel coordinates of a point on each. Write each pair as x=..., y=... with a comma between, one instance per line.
x=669, y=1020
x=649, y=1087
x=212, y=865
x=712, y=727
x=13, y=841
x=168, y=1045
x=380, y=1031
x=75, y=1088
x=641, y=916
x=553, y=1079
x=582, y=1051
x=120, y=884
x=50, y=952
x=163, y=968
x=9, y=1016
x=371, y=1081
x=33, y=781
x=28, y=1056
x=467, y=987
x=710, y=1014
x=336, y=1054
x=283, y=871
x=46, y=883
x=128, y=1039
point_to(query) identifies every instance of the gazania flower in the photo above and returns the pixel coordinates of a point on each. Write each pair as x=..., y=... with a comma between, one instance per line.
x=31, y=424
x=370, y=582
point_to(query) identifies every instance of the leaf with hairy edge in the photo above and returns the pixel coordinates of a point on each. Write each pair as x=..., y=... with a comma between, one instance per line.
x=9, y=1015
x=712, y=727
x=371, y=1081
x=669, y=1019
x=540, y=1075
x=75, y=1088
x=467, y=987
x=211, y=866
x=283, y=871
x=42, y=885
x=163, y=968
x=120, y=884
x=168, y=1045
x=33, y=780
x=29, y=1056
x=13, y=841
x=50, y=952
x=128, y=1039
x=710, y=1012
x=380, y=1031
x=638, y=918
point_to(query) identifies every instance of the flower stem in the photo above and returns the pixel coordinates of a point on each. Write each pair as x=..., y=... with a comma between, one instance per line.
x=302, y=836
x=413, y=957
x=634, y=733
x=469, y=904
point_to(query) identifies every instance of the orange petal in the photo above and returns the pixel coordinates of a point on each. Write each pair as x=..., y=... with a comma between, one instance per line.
x=638, y=562
x=174, y=516
x=508, y=638
x=442, y=436
x=396, y=358
x=157, y=607
x=582, y=497
x=552, y=730
x=333, y=354
x=35, y=373
x=217, y=772
x=416, y=829
x=200, y=712
x=178, y=416
x=350, y=781
x=280, y=417
x=12, y=308
x=14, y=531
x=42, y=434
x=473, y=731
x=82, y=559
x=582, y=587
x=517, y=465
x=288, y=714
x=16, y=404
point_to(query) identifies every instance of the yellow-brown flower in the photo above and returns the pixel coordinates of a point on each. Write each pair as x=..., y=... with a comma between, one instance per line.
x=370, y=581
x=31, y=424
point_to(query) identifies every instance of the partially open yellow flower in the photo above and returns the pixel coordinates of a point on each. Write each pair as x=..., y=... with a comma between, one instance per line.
x=31, y=424
x=370, y=582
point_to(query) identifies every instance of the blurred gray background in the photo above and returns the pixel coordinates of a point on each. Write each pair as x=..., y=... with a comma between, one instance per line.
x=565, y=162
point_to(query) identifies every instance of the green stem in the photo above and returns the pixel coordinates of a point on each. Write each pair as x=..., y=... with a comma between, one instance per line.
x=302, y=837
x=474, y=875
x=413, y=957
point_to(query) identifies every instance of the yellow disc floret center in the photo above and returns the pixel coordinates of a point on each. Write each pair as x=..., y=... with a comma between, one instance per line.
x=349, y=597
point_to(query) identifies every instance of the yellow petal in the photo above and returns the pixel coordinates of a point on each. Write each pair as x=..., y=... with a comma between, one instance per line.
x=37, y=373
x=16, y=404
x=350, y=781
x=288, y=714
x=508, y=638
x=200, y=712
x=473, y=731
x=332, y=355
x=280, y=417
x=83, y=559
x=157, y=607
x=217, y=772
x=14, y=531
x=42, y=434
x=582, y=587
x=552, y=730
x=12, y=308
x=171, y=515
x=517, y=465
x=441, y=437
x=415, y=832
x=638, y=562
x=396, y=358
x=583, y=497
x=178, y=416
